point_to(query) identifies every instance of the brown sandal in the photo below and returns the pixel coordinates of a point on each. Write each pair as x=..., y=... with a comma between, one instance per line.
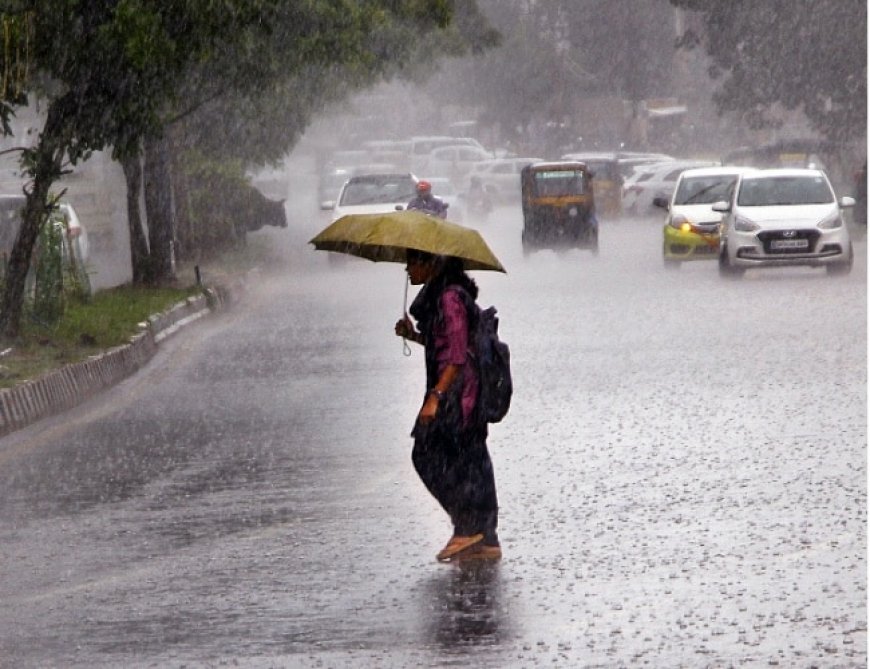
x=456, y=545
x=480, y=552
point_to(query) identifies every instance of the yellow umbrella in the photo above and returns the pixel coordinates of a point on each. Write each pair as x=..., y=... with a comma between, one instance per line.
x=386, y=237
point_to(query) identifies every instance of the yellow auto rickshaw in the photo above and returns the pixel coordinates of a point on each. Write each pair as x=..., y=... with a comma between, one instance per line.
x=558, y=207
x=606, y=169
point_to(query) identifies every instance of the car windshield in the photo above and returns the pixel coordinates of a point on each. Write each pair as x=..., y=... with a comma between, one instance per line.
x=784, y=190
x=552, y=183
x=377, y=190
x=705, y=190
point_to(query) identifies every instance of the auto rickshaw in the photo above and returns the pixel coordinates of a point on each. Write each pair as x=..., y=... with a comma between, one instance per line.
x=607, y=170
x=558, y=207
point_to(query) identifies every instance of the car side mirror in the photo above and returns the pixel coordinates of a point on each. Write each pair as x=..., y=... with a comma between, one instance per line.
x=721, y=206
x=846, y=202
x=327, y=204
x=661, y=202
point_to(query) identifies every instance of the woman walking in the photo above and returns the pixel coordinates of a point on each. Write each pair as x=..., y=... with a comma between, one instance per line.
x=450, y=453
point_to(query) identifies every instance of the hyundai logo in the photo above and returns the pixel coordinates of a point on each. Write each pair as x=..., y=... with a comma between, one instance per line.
x=789, y=233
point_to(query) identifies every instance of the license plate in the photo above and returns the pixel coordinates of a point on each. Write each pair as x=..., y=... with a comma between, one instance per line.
x=789, y=244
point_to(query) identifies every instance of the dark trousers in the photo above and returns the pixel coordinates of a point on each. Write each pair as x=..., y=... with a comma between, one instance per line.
x=455, y=467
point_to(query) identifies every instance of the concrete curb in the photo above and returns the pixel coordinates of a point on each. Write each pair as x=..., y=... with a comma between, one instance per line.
x=62, y=389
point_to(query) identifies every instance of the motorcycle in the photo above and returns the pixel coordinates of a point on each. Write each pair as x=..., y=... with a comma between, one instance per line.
x=479, y=203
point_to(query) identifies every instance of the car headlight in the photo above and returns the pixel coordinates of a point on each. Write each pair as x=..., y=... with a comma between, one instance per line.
x=745, y=225
x=831, y=222
x=680, y=222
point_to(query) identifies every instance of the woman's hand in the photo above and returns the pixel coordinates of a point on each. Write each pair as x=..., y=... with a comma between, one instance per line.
x=405, y=329
x=428, y=410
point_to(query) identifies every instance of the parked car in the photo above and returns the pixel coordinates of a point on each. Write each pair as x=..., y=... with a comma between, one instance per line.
x=653, y=180
x=395, y=151
x=628, y=160
x=500, y=176
x=691, y=230
x=75, y=252
x=422, y=146
x=784, y=217
x=454, y=162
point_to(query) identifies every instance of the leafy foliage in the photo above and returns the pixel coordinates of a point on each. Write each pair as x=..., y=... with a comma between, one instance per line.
x=113, y=72
x=797, y=54
x=555, y=53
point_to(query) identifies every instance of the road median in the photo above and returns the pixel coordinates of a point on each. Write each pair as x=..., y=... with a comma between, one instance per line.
x=69, y=386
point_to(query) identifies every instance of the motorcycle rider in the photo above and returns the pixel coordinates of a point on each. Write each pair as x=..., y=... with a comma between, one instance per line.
x=426, y=202
x=479, y=201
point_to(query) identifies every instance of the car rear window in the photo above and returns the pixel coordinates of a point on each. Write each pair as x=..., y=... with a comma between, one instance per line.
x=378, y=189
x=784, y=190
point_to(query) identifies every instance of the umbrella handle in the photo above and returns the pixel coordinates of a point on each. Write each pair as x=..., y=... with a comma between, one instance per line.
x=406, y=350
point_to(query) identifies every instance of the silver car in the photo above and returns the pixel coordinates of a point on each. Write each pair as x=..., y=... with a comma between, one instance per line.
x=784, y=217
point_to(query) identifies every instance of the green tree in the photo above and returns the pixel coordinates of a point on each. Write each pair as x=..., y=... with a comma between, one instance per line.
x=104, y=69
x=254, y=98
x=555, y=53
x=794, y=54
x=113, y=73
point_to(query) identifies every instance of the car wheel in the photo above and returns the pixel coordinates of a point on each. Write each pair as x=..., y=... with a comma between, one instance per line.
x=842, y=268
x=594, y=245
x=726, y=269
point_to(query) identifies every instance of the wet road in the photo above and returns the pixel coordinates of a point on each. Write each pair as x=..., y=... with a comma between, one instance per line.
x=682, y=479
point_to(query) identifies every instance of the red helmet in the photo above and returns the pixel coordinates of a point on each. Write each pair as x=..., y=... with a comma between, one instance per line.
x=423, y=187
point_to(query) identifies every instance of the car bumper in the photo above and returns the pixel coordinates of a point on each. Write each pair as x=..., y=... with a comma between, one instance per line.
x=822, y=247
x=679, y=245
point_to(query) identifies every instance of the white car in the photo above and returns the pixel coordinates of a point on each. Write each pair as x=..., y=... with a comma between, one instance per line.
x=454, y=162
x=500, y=176
x=784, y=217
x=375, y=194
x=653, y=180
x=76, y=236
x=691, y=230
x=422, y=146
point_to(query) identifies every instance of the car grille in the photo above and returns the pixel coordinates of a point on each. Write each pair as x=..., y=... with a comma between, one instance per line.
x=772, y=238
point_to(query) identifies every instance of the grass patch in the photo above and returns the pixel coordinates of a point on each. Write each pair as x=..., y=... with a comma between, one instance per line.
x=109, y=319
x=113, y=315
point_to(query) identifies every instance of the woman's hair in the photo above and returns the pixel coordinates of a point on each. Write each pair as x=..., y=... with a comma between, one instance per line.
x=450, y=270
x=413, y=255
x=452, y=273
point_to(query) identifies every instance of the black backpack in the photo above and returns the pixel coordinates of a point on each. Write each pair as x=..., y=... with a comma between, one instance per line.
x=493, y=358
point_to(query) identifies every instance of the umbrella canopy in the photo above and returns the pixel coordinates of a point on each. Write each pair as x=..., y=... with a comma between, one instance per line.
x=387, y=237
